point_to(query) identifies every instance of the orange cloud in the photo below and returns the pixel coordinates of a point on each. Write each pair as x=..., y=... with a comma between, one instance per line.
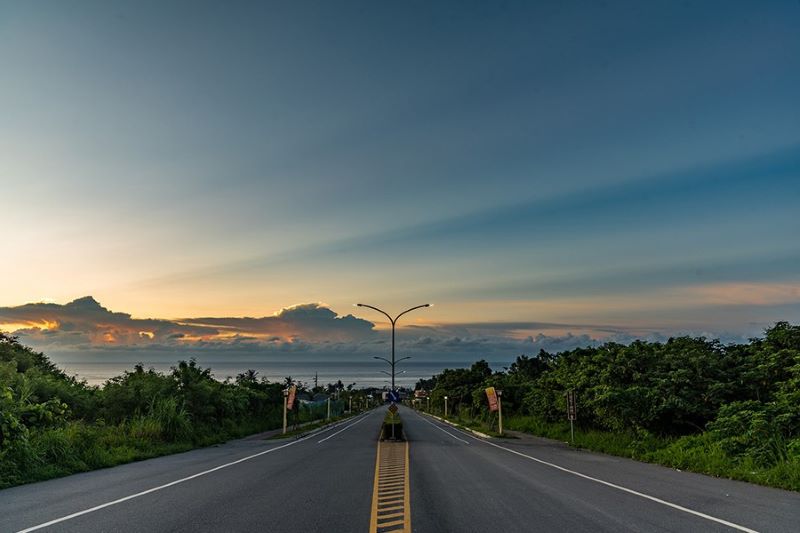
x=85, y=323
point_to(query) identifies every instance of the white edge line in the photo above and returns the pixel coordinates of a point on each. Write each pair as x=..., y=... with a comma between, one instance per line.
x=461, y=429
x=345, y=429
x=618, y=487
x=442, y=429
x=166, y=485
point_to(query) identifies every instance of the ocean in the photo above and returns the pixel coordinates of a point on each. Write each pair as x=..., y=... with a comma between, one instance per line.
x=363, y=374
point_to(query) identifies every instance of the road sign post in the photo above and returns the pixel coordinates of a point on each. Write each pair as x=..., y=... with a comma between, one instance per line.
x=288, y=403
x=285, y=400
x=392, y=411
x=572, y=413
x=495, y=404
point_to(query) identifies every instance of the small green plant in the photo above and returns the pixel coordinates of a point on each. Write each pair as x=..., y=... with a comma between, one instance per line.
x=392, y=427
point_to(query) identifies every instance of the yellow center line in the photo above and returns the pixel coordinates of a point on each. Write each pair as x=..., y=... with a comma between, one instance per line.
x=391, y=503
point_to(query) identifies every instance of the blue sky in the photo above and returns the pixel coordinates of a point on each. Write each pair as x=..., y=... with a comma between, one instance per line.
x=629, y=165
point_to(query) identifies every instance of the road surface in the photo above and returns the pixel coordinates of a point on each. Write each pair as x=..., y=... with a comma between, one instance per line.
x=441, y=480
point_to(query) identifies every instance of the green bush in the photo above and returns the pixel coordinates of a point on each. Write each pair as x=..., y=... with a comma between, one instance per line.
x=53, y=425
x=688, y=402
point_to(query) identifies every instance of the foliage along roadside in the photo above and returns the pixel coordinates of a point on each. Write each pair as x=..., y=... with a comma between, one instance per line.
x=688, y=403
x=53, y=425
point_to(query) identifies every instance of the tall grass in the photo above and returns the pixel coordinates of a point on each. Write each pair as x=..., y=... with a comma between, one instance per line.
x=695, y=453
x=80, y=447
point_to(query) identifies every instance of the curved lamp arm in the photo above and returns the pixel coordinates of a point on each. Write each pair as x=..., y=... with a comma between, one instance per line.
x=393, y=320
x=378, y=310
x=409, y=310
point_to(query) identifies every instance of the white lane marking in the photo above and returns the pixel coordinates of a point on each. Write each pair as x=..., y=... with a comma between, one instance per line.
x=345, y=429
x=160, y=487
x=618, y=487
x=441, y=429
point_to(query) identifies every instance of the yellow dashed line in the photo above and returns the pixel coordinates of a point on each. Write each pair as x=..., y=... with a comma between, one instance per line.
x=391, y=502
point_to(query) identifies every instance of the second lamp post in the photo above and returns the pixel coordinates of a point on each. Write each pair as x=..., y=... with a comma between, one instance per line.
x=394, y=322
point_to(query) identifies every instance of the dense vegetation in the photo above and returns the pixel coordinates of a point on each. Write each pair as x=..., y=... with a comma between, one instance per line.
x=690, y=403
x=52, y=424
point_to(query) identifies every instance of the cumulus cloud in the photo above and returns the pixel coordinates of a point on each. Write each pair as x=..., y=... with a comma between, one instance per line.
x=313, y=322
x=312, y=329
x=85, y=324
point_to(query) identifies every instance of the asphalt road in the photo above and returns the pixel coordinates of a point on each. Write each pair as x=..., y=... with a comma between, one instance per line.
x=319, y=483
x=457, y=482
x=462, y=483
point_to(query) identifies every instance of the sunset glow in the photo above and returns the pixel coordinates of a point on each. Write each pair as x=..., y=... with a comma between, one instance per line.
x=535, y=184
x=43, y=325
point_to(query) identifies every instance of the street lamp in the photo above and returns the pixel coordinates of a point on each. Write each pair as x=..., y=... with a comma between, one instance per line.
x=394, y=322
x=445, y=406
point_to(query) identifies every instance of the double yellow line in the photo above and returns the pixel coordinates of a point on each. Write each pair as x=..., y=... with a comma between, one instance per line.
x=391, y=499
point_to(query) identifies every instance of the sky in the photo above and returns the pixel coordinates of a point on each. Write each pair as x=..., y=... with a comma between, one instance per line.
x=548, y=174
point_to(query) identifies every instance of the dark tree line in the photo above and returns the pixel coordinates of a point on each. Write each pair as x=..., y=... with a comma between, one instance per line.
x=746, y=396
x=52, y=424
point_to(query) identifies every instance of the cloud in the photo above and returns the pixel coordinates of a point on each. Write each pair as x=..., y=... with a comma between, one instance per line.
x=307, y=321
x=313, y=329
x=85, y=324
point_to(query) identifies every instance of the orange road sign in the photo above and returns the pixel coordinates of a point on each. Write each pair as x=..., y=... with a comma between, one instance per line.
x=491, y=394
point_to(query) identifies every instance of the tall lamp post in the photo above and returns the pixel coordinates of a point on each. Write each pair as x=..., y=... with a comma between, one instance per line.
x=394, y=323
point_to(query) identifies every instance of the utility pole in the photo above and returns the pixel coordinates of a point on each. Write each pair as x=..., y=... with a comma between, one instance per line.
x=329, y=408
